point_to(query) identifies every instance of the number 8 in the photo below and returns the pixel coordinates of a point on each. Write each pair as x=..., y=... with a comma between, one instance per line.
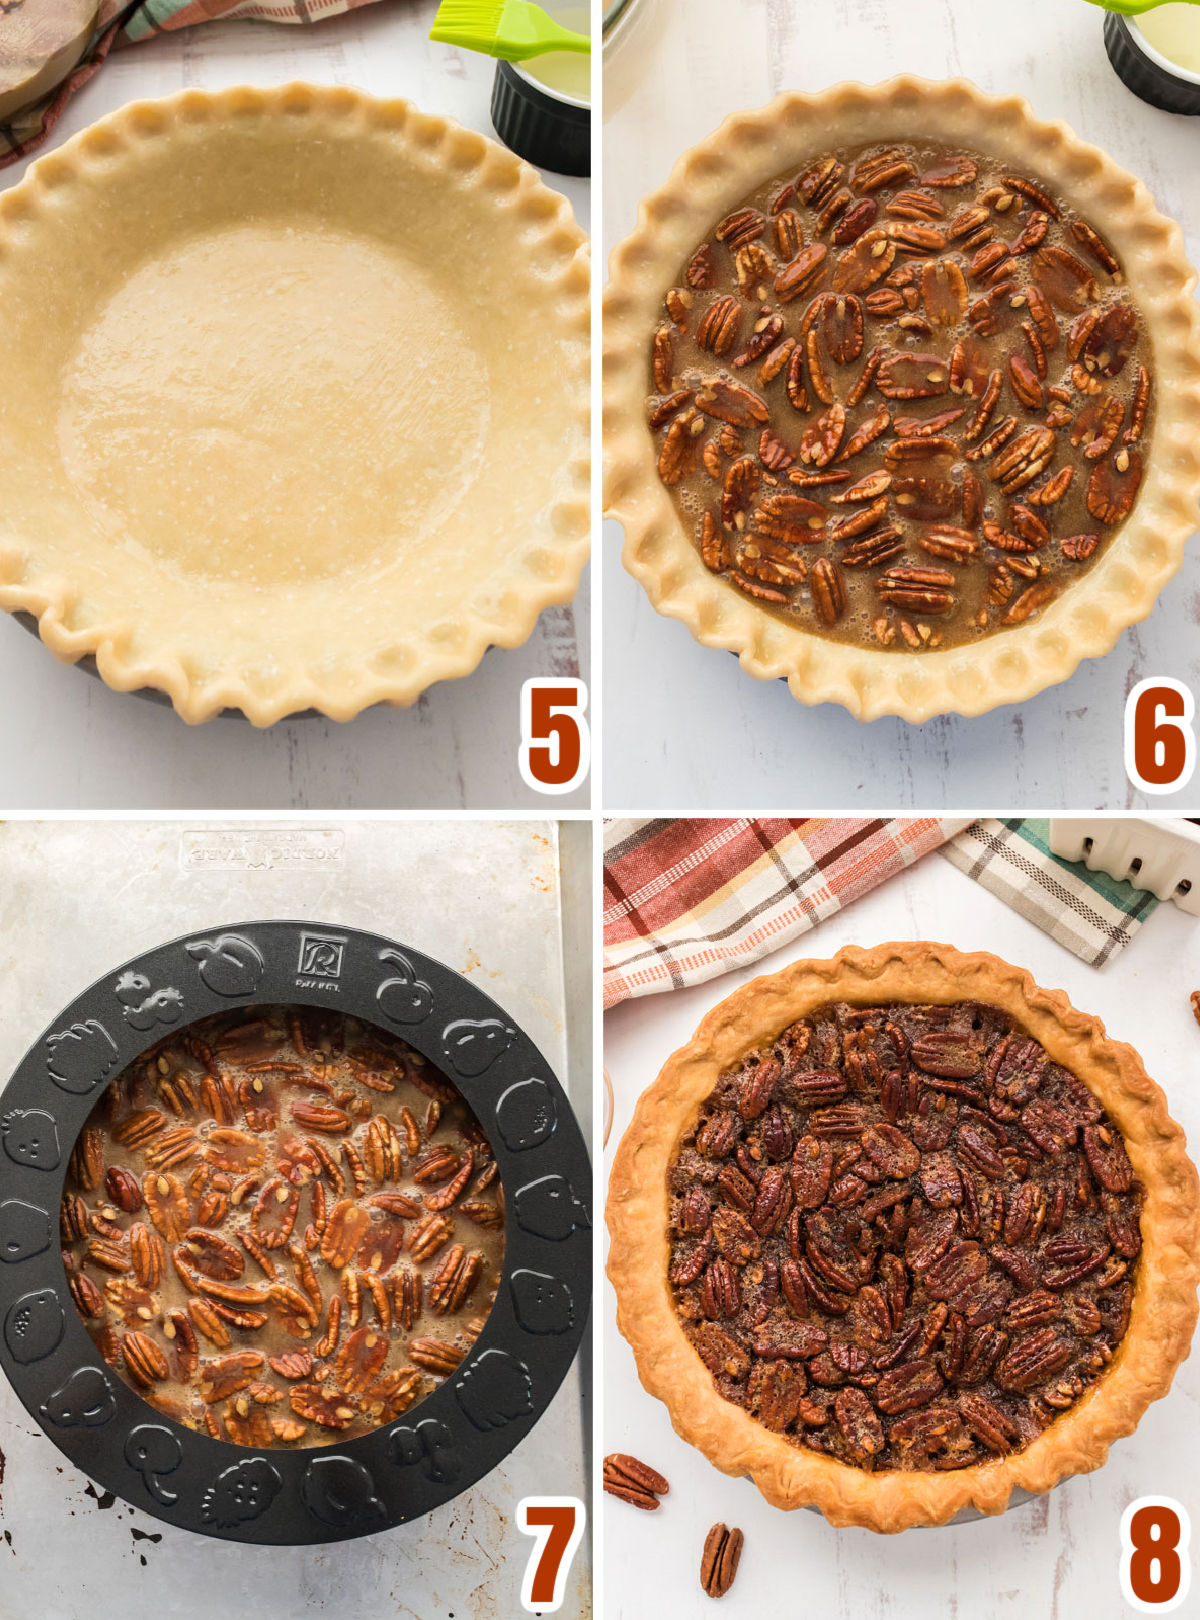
x=1155, y=1570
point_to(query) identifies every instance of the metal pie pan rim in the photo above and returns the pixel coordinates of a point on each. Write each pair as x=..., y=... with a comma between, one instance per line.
x=152, y=694
x=968, y=1515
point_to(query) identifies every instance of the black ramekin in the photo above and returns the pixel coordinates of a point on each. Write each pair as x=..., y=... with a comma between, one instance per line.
x=1147, y=78
x=546, y=130
x=472, y=1420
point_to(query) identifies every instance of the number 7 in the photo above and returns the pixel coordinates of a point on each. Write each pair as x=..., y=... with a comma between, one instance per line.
x=558, y=1523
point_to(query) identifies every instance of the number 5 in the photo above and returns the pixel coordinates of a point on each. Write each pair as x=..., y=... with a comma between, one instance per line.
x=555, y=745
x=557, y=1522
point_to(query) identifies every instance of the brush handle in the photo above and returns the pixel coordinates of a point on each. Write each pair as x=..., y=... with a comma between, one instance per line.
x=1134, y=8
x=552, y=38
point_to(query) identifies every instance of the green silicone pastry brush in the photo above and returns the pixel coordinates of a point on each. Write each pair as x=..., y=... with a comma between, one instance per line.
x=1134, y=8
x=513, y=30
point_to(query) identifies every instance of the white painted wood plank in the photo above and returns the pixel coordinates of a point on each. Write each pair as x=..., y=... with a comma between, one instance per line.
x=685, y=728
x=67, y=741
x=1054, y=1558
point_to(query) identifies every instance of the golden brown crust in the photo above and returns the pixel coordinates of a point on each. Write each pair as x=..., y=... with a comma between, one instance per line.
x=1164, y=1307
x=420, y=601
x=1086, y=620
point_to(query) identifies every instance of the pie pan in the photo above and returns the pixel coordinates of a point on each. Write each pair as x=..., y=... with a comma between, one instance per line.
x=148, y=694
x=455, y=1435
x=1012, y=665
x=296, y=408
x=1162, y=1317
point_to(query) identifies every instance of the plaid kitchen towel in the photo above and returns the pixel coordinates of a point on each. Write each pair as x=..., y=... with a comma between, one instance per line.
x=685, y=901
x=116, y=22
x=1090, y=913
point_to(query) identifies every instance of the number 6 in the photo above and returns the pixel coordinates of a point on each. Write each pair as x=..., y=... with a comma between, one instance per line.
x=1160, y=747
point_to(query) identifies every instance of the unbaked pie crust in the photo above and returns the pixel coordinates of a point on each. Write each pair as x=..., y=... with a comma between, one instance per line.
x=1164, y=1308
x=295, y=411
x=1014, y=664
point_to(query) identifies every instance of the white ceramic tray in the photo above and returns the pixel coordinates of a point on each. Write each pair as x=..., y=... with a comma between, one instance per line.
x=1162, y=856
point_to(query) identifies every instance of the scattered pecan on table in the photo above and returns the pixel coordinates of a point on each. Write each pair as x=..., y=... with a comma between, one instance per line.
x=633, y=1481
x=720, y=1559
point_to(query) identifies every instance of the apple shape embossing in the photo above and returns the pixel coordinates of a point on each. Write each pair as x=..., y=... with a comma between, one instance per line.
x=229, y=965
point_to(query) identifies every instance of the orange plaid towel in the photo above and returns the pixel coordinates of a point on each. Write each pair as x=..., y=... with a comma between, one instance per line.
x=685, y=901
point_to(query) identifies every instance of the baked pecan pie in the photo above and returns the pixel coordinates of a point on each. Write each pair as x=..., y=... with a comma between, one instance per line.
x=282, y=1229
x=903, y=393
x=903, y=1236
x=910, y=1228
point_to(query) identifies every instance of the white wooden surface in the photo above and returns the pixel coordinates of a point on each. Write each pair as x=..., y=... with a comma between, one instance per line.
x=1052, y=1559
x=66, y=741
x=685, y=726
x=486, y=898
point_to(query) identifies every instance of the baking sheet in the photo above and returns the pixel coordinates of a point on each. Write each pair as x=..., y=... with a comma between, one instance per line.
x=485, y=898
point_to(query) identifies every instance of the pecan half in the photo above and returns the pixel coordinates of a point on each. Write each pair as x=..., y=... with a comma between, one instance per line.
x=633, y=1481
x=719, y=1560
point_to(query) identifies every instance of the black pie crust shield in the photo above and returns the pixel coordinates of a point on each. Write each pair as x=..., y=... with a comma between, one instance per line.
x=453, y=1437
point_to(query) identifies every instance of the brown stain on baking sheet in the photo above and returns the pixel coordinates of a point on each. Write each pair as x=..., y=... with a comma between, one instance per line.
x=143, y=1535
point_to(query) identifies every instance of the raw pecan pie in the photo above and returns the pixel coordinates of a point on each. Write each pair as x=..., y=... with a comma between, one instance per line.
x=908, y=1237
x=903, y=395
x=898, y=384
x=282, y=1229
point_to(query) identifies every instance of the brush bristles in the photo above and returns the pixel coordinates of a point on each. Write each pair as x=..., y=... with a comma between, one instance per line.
x=469, y=17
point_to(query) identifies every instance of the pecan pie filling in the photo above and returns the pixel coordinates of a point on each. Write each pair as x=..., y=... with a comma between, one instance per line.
x=903, y=1236
x=283, y=1227
x=903, y=398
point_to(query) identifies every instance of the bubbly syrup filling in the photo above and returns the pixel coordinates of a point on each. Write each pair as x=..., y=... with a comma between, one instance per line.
x=282, y=1227
x=902, y=399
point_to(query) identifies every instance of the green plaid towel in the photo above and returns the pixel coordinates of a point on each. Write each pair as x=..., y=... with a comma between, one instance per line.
x=1090, y=913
